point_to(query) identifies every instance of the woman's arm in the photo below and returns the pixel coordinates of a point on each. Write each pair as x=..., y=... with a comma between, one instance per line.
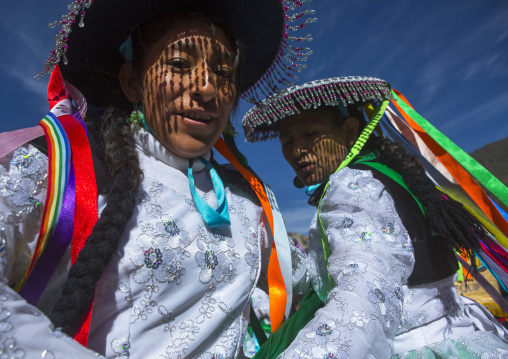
x=371, y=258
x=24, y=330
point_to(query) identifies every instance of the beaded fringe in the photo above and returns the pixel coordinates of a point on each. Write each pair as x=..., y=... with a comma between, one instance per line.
x=287, y=64
x=76, y=8
x=329, y=92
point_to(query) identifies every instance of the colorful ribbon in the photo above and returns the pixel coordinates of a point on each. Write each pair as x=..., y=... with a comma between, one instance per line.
x=214, y=218
x=58, y=171
x=276, y=286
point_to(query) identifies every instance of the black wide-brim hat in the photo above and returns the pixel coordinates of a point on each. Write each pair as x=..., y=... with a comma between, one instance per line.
x=259, y=24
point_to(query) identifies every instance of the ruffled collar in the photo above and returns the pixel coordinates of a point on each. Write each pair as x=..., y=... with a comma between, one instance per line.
x=148, y=143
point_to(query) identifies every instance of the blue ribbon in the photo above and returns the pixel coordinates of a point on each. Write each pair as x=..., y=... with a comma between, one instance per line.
x=213, y=217
x=310, y=190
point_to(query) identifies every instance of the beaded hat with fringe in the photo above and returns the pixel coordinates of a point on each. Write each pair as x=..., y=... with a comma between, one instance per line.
x=260, y=123
x=93, y=30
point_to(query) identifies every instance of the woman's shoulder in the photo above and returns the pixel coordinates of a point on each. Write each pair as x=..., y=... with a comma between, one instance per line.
x=354, y=181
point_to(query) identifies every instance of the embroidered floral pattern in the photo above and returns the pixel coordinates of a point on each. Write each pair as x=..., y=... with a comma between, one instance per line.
x=212, y=262
x=153, y=260
x=120, y=347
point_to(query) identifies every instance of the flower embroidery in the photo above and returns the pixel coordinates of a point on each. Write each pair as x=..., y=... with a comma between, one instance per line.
x=211, y=260
x=24, y=194
x=252, y=259
x=121, y=347
x=354, y=268
x=330, y=351
x=347, y=222
x=390, y=228
x=173, y=230
x=323, y=333
x=360, y=318
x=188, y=330
x=353, y=185
x=153, y=259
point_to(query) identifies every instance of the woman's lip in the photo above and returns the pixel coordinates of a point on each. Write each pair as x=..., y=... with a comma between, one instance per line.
x=306, y=167
x=195, y=120
x=197, y=114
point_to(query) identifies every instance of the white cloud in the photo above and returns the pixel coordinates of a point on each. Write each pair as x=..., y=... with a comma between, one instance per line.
x=497, y=104
x=27, y=80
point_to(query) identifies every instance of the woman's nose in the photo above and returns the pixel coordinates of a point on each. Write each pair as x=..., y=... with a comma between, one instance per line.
x=296, y=151
x=204, y=84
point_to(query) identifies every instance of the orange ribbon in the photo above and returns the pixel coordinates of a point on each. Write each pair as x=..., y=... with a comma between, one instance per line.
x=276, y=287
x=462, y=177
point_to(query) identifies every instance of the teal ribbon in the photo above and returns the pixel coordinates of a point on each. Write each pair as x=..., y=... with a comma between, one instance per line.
x=213, y=217
x=310, y=190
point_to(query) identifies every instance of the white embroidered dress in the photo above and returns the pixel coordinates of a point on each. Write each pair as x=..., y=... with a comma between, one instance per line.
x=173, y=289
x=371, y=312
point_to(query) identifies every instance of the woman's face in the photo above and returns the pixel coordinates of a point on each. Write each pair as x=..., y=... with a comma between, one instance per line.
x=188, y=92
x=314, y=144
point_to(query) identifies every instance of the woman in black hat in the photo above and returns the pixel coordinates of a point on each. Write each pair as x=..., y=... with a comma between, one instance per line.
x=383, y=239
x=180, y=241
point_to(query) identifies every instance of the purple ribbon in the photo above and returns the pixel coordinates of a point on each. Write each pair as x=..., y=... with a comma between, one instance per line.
x=60, y=239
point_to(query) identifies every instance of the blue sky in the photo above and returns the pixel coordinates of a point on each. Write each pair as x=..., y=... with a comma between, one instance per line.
x=449, y=58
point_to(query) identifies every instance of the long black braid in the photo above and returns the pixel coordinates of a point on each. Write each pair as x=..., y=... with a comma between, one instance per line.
x=445, y=216
x=125, y=173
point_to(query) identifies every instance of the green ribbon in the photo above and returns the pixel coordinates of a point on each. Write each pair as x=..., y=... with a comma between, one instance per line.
x=479, y=172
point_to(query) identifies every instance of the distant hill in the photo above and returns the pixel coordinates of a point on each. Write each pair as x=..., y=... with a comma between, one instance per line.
x=494, y=157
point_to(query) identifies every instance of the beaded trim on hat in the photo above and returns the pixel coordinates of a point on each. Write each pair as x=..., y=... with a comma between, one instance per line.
x=77, y=7
x=282, y=72
x=287, y=64
x=328, y=92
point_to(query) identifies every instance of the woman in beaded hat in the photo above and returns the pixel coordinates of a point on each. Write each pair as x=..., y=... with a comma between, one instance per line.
x=383, y=239
x=125, y=232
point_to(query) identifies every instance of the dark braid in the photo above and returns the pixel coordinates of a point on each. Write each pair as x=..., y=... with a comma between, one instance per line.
x=446, y=217
x=123, y=163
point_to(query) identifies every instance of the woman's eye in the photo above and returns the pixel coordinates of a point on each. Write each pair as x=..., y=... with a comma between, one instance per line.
x=310, y=134
x=178, y=63
x=225, y=72
x=285, y=141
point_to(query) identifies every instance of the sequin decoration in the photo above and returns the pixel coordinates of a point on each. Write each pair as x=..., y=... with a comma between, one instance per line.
x=366, y=237
x=171, y=227
x=211, y=260
x=407, y=247
x=389, y=230
x=324, y=330
x=329, y=356
x=121, y=347
x=219, y=236
x=23, y=161
x=353, y=185
x=379, y=295
x=347, y=222
x=153, y=258
x=218, y=356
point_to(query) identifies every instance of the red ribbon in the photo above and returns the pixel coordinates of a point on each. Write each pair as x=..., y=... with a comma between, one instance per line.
x=85, y=211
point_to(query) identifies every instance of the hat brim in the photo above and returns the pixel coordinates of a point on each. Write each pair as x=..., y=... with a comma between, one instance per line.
x=259, y=24
x=261, y=122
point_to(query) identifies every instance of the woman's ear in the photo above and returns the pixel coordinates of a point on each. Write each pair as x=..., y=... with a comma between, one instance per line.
x=351, y=125
x=129, y=82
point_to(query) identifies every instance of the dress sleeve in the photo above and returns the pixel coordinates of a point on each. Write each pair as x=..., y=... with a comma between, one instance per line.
x=24, y=330
x=371, y=258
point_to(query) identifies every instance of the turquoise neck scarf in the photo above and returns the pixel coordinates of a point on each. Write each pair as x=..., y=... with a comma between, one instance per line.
x=214, y=218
